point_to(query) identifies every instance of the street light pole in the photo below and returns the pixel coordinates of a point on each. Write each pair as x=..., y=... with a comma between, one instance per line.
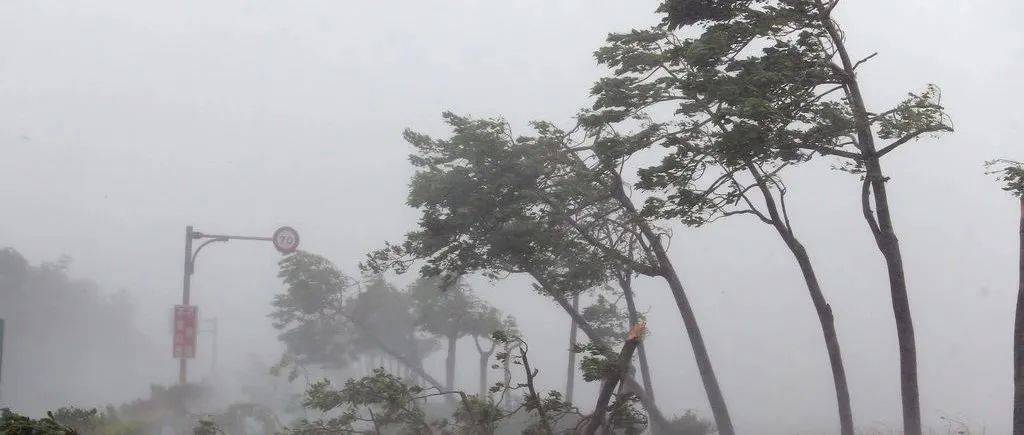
x=285, y=239
x=186, y=289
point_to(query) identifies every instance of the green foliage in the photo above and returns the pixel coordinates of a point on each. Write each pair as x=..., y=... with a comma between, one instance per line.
x=496, y=203
x=691, y=424
x=755, y=90
x=624, y=416
x=379, y=400
x=607, y=319
x=207, y=427
x=477, y=416
x=1010, y=173
x=598, y=361
x=81, y=420
x=16, y=424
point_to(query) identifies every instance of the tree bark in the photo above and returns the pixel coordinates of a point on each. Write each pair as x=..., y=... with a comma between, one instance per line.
x=634, y=318
x=531, y=387
x=570, y=371
x=449, y=363
x=828, y=329
x=1018, y=338
x=885, y=235
x=596, y=419
x=485, y=356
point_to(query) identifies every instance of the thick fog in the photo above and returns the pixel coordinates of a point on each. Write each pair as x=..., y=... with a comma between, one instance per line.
x=121, y=122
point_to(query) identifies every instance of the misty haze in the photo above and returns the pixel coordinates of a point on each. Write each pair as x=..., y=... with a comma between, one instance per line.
x=693, y=217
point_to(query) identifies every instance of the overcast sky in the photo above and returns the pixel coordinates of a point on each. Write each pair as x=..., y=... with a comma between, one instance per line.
x=121, y=121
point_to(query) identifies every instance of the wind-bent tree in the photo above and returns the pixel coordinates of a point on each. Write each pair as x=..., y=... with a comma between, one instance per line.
x=764, y=84
x=1011, y=173
x=326, y=321
x=712, y=146
x=497, y=204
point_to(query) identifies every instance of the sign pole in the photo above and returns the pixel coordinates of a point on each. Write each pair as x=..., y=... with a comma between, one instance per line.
x=186, y=319
x=186, y=288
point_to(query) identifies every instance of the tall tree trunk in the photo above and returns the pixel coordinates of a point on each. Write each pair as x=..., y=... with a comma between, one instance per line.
x=485, y=356
x=570, y=371
x=780, y=221
x=1018, y=339
x=716, y=399
x=449, y=363
x=483, y=375
x=634, y=318
x=880, y=222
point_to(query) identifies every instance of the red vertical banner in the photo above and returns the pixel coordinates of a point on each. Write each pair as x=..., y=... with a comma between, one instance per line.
x=185, y=322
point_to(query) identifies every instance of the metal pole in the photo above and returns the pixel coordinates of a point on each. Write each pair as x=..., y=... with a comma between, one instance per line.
x=1, y=356
x=186, y=288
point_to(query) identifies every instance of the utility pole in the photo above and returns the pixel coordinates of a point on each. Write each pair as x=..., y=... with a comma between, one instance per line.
x=285, y=240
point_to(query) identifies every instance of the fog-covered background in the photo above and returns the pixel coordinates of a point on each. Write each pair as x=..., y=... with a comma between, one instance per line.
x=123, y=121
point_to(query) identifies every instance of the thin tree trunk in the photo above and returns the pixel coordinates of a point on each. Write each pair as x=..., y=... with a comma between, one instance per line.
x=634, y=318
x=483, y=375
x=1018, y=339
x=570, y=371
x=885, y=235
x=828, y=329
x=716, y=399
x=531, y=387
x=449, y=364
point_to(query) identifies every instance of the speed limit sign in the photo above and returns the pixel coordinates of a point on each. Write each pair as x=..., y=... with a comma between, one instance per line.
x=286, y=240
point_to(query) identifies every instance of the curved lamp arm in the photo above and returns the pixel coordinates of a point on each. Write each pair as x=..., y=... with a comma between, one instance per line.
x=192, y=263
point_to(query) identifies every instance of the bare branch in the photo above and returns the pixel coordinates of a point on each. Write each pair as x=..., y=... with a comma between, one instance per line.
x=832, y=151
x=913, y=135
x=864, y=60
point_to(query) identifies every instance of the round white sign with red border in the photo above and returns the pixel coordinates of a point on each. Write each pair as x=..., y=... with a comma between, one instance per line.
x=286, y=240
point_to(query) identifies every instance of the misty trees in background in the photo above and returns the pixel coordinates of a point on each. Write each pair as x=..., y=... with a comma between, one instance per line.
x=389, y=314
x=450, y=311
x=1011, y=174
x=486, y=321
x=327, y=321
x=66, y=337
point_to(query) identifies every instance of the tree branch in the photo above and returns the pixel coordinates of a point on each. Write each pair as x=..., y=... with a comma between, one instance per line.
x=913, y=135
